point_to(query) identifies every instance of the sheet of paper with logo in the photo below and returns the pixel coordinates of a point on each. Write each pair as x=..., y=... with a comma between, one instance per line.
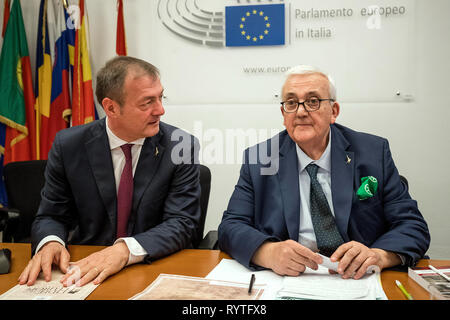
x=52, y=290
x=176, y=287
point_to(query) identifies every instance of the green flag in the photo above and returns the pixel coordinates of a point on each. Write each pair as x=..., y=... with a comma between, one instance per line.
x=16, y=91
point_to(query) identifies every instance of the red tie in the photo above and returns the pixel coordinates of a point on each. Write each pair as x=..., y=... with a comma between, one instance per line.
x=125, y=193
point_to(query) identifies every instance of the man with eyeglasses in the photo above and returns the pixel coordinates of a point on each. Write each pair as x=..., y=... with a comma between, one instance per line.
x=336, y=192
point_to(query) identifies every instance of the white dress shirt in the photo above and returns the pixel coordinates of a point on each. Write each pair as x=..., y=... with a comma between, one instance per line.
x=137, y=252
x=307, y=236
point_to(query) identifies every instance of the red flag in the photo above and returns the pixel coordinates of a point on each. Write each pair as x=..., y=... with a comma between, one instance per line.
x=83, y=107
x=5, y=17
x=121, y=41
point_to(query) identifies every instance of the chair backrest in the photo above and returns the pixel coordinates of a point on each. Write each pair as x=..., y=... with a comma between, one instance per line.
x=205, y=183
x=24, y=181
x=405, y=181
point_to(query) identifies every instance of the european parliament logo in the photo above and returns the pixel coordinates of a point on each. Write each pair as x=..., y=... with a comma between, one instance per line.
x=258, y=25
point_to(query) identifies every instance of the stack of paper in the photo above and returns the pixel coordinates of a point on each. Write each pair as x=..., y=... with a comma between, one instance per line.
x=316, y=285
x=320, y=285
x=432, y=281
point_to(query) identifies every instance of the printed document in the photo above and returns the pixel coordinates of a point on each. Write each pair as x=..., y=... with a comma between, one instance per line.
x=52, y=290
x=177, y=287
x=313, y=285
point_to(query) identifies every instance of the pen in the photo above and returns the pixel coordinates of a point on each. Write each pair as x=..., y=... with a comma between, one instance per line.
x=403, y=290
x=439, y=272
x=252, y=281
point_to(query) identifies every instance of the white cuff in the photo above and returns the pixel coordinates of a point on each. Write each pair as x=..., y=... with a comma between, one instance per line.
x=137, y=252
x=48, y=239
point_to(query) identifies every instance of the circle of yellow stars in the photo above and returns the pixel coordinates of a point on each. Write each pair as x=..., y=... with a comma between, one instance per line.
x=250, y=37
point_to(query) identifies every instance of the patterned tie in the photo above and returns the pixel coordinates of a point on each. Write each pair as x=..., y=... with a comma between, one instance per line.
x=327, y=235
x=125, y=193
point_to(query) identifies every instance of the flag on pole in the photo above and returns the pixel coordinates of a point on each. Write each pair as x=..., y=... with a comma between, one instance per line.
x=121, y=39
x=43, y=76
x=60, y=108
x=3, y=195
x=5, y=16
x=16, y=91
x=70, y=38
x=83, y=107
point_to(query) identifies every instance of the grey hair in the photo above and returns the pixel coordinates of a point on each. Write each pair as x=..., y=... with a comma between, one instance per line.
x=304, y=69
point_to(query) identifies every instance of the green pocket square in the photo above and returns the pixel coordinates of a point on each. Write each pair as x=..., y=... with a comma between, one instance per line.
x=368, y=188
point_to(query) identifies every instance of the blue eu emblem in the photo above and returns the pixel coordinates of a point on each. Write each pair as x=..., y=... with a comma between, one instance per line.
x=260, y=25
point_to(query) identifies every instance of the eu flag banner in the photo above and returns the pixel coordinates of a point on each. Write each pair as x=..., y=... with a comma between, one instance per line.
x=259, y=25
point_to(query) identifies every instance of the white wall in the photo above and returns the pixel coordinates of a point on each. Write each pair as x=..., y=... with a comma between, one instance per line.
x=418, y=132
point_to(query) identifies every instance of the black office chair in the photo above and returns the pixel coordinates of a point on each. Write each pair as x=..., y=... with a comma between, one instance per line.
x=24, y=181
x=405, y=181
x=205, y=184
x=210, y=241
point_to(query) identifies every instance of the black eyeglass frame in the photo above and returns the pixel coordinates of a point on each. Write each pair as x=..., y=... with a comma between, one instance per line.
x=307, y=109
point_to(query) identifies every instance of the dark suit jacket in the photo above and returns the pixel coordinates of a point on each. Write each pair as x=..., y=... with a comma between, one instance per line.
x=79, y=202
x=267, y=207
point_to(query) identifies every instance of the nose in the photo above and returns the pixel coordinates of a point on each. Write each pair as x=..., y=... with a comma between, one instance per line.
x=301, y=111
x=159, y=110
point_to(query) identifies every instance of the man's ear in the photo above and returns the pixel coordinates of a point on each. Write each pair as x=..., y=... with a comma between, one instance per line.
x=284, y=118
x=111, y=107
x=335, y=109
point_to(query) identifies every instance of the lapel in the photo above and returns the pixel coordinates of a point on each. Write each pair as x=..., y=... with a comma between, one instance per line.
x=147, y=166
x=99, y=155
x=290, y=192
x=342, y=171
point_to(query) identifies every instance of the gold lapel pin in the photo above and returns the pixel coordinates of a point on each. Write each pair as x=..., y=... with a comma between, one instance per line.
x=348, y=159
x=156, y=151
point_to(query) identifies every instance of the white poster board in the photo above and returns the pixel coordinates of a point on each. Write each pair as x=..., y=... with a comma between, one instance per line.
x=366, y=45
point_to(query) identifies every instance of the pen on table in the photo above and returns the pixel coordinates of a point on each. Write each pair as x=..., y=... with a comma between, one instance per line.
x=252, y=281
x=403, y=290
x=439, y=272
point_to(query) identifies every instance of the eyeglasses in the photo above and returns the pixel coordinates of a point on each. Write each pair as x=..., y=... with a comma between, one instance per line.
x=310, y=105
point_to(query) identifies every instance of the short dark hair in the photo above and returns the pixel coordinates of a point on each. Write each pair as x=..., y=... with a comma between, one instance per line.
x=111, y=78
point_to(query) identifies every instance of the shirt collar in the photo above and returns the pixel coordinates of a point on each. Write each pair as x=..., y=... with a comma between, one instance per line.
x=324, y=162
x=116, y=142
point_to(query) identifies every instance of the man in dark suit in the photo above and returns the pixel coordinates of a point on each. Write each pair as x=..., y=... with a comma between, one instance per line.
x=326, y=188
x=142, y=203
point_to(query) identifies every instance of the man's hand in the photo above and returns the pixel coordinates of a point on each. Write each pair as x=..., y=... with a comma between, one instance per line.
x=286, y=257
x=51, y=253
x=98, y=266
x=354, y=259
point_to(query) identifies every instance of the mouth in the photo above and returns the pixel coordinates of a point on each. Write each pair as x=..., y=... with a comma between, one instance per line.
x=152, y=123
x=302, y=124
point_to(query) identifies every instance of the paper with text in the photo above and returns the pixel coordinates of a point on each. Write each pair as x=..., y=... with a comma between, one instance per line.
x=52, y=290
x=317, y=285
